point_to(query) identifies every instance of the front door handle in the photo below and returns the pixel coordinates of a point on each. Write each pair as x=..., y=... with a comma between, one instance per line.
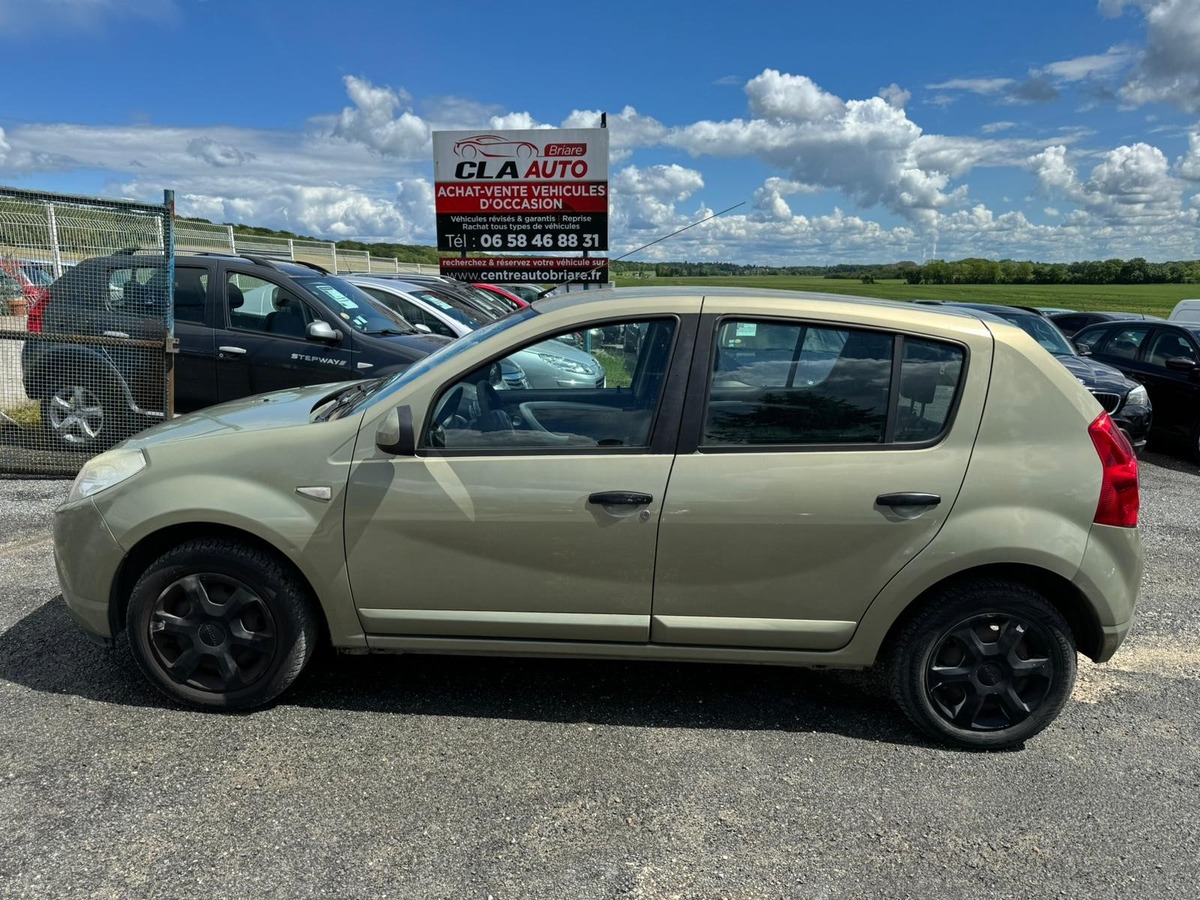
x=620, y=498
x=908, y=498
x=233, y=351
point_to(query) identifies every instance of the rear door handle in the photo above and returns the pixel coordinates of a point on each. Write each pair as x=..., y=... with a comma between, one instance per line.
x=233, y=351
x=908, y=498
x=620, y=498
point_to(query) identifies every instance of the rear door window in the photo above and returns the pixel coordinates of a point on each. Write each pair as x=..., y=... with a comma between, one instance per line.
x=793, y=384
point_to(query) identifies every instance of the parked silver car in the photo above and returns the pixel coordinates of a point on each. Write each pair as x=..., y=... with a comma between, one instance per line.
x=550, y=364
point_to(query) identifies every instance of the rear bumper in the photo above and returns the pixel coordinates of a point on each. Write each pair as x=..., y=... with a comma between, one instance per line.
x=1109, y=577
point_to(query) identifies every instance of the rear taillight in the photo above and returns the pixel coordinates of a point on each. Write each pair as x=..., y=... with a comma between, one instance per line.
x=1119, y=497
x=33, y=324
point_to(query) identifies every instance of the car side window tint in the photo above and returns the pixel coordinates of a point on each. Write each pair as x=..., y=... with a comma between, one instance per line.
x=1125, y=342
x=782, y=384
x=191, y=292
x=1169, y=345
x=258, y=305
x=1090, y=340
x=595, y=389
x=930, y=372
x=140, y=290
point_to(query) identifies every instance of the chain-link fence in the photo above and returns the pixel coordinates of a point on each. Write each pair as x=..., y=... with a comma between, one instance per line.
x=86, y=325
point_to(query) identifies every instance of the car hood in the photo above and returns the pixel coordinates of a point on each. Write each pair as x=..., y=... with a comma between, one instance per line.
x=278, y=409
x=1096, y=376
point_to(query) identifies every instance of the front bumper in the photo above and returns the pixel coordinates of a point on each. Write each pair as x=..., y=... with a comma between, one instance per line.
x=87, y=559
x=1135, y=421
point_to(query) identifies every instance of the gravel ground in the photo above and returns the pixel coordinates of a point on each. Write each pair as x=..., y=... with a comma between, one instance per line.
x=435, y=777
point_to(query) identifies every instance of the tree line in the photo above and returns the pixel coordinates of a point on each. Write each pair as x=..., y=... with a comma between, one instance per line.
x=938, y=271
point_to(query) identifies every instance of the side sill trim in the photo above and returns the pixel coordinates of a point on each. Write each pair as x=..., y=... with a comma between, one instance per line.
x=730, y=631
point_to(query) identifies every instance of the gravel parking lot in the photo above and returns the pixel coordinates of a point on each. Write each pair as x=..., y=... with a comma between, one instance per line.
x=474, y=778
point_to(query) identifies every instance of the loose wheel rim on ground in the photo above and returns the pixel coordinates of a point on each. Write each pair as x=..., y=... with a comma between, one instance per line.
x=212, y=633
x=990, y=672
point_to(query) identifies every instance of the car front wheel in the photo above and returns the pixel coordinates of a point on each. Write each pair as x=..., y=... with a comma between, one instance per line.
x=221, y=625
x=985, y=665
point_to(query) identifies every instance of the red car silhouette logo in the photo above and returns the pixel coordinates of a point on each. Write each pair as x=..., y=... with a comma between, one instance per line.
x=493, y=146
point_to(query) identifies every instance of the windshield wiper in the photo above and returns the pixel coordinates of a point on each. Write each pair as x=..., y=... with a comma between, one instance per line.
x=391, y=331
x=346, y=398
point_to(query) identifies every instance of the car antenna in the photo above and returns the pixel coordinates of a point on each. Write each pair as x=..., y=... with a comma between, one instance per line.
x=543, y=293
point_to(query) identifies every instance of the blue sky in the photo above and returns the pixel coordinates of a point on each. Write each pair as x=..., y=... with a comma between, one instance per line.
x=854, y=131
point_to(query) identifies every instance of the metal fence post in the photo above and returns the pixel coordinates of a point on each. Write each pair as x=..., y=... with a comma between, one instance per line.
x=55, y=251
x=291, y=249
x=232, y=242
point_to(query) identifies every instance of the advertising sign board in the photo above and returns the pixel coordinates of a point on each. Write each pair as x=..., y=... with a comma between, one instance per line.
x=532, y=190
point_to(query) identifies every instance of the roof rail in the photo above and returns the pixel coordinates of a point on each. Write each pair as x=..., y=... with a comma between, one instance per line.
x=273, y=263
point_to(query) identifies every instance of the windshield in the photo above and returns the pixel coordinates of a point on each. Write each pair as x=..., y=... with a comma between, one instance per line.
x=447, y=352
x=457, y=310
x=354, y=306
x=37, y=275
x=1041, y=330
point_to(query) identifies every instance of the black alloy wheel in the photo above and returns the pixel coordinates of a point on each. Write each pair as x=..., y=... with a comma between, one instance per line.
x=220, y=624
x=990, y=672
x=213, y=633
x=983, y=665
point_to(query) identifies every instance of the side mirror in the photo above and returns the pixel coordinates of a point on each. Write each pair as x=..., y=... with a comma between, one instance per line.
x=323, y=331
x=1082, y=351
x=395, y=433
x=1181, y=364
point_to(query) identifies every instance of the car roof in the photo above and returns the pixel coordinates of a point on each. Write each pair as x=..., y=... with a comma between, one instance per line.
x=580, y=298
x=1193, y=330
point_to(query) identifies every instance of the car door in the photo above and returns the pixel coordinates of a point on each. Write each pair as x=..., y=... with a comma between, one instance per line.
x=196, y=361
x=1175, y=394
x=522, y=518
x=815, y=461
x=264, y=345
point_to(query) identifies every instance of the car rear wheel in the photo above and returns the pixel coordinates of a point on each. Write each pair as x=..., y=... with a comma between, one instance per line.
x=217, y=624
x=985, y=665
x=77, y=416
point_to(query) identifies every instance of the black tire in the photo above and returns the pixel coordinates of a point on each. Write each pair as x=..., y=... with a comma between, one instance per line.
x=1194, y=445
x=84, y=415
x=985, y=665
x=216, y=624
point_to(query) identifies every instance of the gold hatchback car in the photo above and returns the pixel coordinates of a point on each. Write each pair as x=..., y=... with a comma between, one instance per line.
x=761, y=477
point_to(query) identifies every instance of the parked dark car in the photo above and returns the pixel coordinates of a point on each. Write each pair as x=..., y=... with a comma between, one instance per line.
x=1128, y=403
x=1165, y=357
x=1069, y=323
x=245, y=325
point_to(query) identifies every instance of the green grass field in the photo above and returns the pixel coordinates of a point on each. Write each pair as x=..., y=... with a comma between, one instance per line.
x=1155, y=299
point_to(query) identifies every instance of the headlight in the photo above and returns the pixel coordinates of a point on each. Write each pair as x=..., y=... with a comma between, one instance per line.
x=566, y=365
x=106, y=470
x=1137, y=397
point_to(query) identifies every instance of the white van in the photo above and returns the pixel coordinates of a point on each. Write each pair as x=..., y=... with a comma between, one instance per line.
x=1186, y=311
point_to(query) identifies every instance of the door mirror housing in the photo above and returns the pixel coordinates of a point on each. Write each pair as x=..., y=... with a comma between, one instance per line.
x=1181, y=364
x=395, y=433
x=423, y=328
x=323, y=331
